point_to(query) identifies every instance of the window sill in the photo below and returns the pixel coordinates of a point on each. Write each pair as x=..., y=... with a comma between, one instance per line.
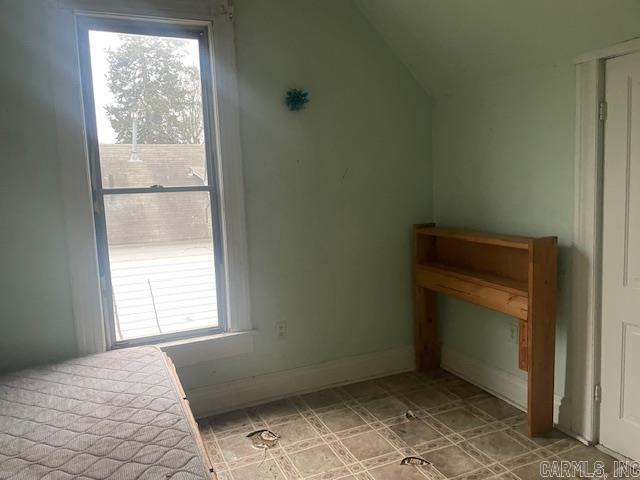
x=191, y=351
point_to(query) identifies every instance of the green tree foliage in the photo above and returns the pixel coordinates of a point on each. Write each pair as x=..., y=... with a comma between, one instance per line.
x=149, y=81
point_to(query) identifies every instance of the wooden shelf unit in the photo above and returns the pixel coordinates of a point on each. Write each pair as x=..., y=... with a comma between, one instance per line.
x=513, y=275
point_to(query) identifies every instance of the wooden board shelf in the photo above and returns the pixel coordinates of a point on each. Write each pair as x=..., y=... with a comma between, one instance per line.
x=510, y=241
x=503, y=283
x=502, y=294
x=510, y=274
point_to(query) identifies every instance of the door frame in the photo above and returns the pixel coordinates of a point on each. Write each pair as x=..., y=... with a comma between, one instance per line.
x=584, y=341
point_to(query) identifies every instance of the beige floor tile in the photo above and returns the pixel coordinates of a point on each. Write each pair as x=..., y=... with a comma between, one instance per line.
x=386, y=407
x=553, y=437
x=223, y=475
x=497, y=408
x=278, y=409
x=367, y=445
x=459, y=419
x=414, y=432
x=236, y=447
x=213, y=452
x=205, y=430
x=315, y=461
x=230, y=421
x=362, y=476
x=321, y=399
x=439, y=395
x=284, y=462
x=401, y=382
x=395, y=471
x=452, y=461
x=524, y=459
x=341, y=419
x=295, y=431
x=428, y=397
x=267, y=470
x=590, y=454
x=507, y=476
x=481, y=474
x=435, y=375
x=561, y=446
x=461, y=388
x=369, y=390
x=530, y=472
x=498, y=445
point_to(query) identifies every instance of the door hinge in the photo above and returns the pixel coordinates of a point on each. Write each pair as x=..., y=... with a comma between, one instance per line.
x=602, y=111
x=597, y=393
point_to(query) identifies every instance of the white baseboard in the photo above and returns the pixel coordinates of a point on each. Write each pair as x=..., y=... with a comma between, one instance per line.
x=246, y=392
x=505, y=385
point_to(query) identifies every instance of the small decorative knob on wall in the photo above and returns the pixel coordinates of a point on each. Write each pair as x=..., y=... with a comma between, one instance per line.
x=296, y=99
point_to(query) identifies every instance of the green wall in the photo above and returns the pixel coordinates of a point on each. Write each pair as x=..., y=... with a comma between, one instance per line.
x=331, y=192
x=36, y=322
x=502, y=78
x=503, y=153
x=504, y=162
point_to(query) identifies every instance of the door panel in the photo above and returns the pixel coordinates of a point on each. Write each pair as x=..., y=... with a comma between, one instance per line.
x=632, y=186
x=630, y=388
x=620, y=407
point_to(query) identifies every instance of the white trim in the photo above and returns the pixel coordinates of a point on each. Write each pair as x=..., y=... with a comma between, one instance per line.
x=162, y=9
x=500, y=383
x=76, y=187
x=231, y=176
x=583, y=358
x=192, y=351
x=583, y=353
x=246, y=392
x=75, y=183
x=617, y=50
x=614, y=454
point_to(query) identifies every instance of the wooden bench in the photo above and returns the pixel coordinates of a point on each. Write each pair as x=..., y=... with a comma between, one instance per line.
x=512, y=275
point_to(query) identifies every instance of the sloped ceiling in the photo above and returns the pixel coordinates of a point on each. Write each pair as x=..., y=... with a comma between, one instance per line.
x=446, y=42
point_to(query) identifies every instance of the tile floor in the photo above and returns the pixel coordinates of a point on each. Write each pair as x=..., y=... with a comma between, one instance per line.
x=360, y=432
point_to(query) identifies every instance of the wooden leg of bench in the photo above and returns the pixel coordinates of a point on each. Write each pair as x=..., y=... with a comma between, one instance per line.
x=540, y=394
x=427, y=354
x=541, y=336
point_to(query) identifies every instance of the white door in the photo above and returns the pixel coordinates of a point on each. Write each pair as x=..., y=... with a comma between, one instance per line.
x=620, y=407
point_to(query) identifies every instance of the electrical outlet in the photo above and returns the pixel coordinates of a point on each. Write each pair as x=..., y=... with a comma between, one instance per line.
x=513, y=334
x=281, y=330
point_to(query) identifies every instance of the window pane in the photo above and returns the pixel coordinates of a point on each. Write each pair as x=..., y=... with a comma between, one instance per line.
x=148, y=103
x=162, y=263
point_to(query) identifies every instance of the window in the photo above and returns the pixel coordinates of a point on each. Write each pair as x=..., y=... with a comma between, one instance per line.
x=149, y=118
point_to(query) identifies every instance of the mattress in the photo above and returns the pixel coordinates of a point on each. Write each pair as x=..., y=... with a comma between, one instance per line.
x=119, y=415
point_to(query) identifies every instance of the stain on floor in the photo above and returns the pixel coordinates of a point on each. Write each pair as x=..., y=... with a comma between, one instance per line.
x=362, y=432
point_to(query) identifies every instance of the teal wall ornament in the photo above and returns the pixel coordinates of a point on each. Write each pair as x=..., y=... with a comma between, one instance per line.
x=296, y=99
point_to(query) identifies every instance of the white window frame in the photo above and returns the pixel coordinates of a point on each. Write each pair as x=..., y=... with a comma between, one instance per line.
x=79, y=222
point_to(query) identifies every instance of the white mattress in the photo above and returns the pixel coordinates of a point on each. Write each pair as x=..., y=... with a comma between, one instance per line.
x=117, y=415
